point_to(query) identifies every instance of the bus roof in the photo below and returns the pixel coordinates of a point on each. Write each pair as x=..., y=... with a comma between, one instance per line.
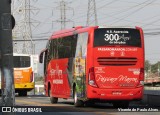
x=64, y=32
x=70, y=31
x=117, y=27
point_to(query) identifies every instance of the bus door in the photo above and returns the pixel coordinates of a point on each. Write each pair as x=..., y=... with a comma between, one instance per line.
x=45, y=71
x=80, y=64
x=61, y=51
x=42, y=59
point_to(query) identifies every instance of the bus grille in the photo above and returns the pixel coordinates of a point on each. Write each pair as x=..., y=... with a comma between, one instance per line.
x=116, y=61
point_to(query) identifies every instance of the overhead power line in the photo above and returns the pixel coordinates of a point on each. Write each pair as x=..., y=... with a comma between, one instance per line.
x=92, y=13
x=152, y=33
x=23, y=26
x=63, y=18
x=22, y=40
x=131, y=13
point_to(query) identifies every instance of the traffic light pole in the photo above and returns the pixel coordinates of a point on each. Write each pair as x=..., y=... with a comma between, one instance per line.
x=6, y=55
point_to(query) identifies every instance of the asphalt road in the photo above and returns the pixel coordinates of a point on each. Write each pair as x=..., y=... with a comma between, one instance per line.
x=34, y=104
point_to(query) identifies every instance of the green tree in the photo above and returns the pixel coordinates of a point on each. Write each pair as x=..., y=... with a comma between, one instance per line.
x=40, y=78
x=147, y=65
x=155, y=67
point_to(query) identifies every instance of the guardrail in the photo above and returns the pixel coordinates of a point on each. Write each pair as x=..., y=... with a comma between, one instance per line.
x=152, y=80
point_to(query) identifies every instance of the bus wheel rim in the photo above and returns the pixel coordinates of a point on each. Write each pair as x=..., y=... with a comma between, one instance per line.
x=75, y=97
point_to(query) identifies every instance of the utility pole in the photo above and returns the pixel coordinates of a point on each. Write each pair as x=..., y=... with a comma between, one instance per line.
x=23, y=9
x=92, y=13
x=6, y=55
x=63, y=19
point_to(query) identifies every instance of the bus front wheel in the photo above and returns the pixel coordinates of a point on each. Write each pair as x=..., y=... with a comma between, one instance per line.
x=77, y=102
x=52, y=99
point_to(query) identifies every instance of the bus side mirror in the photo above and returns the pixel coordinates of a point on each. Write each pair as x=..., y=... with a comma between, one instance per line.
x=41, y=57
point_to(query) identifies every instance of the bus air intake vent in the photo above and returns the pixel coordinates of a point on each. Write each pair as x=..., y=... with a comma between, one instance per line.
x=117, y=61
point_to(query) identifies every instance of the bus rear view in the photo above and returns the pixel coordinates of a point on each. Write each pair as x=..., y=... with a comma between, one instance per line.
x=23, y=73
x=116, y=73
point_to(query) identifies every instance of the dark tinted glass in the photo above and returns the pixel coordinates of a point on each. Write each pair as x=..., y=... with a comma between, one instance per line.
x=63, y=47
x=117, y=36
x=21, y=61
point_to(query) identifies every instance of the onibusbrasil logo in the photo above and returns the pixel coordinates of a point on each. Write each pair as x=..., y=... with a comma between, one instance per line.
x=21, y=109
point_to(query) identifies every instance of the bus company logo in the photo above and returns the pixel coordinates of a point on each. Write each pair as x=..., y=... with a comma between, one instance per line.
x=116, y=38
x=21, y=109
x=58, y=81
x=105, y=79
x=56, y=71
x=116, y=79
x=52, y=72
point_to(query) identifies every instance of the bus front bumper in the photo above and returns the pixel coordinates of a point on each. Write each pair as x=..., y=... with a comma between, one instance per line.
x=115, y=94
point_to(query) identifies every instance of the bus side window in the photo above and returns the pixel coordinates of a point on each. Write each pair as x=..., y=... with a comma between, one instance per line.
x=64, y=47
x=73, y=40
x=49, y=51
x=73, y=45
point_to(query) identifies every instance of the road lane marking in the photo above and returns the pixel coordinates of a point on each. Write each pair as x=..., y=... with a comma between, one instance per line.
x=34, y=103
x=29, y=103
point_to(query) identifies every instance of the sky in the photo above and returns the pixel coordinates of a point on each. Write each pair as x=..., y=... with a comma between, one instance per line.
x=143, y=13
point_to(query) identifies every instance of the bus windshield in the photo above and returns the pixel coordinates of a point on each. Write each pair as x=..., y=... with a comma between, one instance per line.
x=21, y=61
x=117, y=36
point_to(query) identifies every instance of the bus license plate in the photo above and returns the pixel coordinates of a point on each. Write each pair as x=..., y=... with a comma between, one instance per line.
x=116, y=93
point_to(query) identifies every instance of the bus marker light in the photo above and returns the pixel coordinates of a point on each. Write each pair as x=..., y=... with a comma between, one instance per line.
x=102, y=94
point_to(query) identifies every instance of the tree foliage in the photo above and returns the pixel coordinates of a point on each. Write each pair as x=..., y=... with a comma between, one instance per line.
x=38, y=78
x=147, y=65
x=153, y=68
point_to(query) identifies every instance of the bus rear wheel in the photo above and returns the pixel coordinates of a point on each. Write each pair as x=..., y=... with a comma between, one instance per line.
x=89, y=103
x=22, y=93
x=52, y=99
x=77, y=102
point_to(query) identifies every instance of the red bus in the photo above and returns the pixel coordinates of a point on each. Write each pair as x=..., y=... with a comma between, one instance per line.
x=95, y=64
